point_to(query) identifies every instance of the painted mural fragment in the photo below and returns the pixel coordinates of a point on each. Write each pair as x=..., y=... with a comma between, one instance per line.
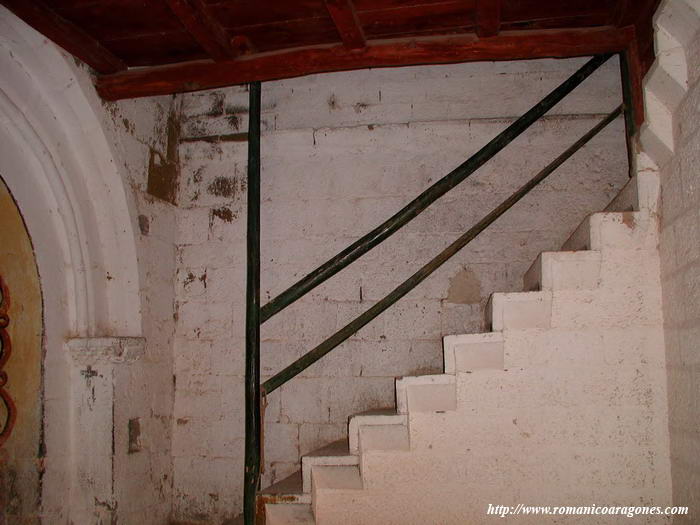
x=8, y=413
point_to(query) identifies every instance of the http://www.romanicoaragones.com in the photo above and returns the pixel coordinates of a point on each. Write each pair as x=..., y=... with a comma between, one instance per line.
x=583, y=510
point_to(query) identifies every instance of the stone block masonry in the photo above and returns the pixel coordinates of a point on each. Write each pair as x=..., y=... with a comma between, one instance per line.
x=141, y=131
x=678, y=31
x=341, y=153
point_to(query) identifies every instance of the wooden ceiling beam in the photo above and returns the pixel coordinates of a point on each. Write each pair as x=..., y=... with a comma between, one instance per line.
x=209, y=34
x=620, y=13
x=636, y=73
x=488, y=18
x=645, y=33
x=346, y=22
x=508, y=45
x=66, y=34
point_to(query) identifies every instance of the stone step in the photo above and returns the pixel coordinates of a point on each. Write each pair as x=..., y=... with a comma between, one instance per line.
x=657, y=135
x=653, y=144
x=664, y=86
x=425, y=393
x=612, y=230
x=384, y=416
x=289, y=514
x=666, y=83
x=380, y=441
x=330, y=479
x=641, y=193
x=432, y=398
x=564, y=271
x=384, y=437
x=519, y=310
x=470, y=352
x=330, y=482
x=627, y=199
x=334, y=454
x=679, y=20
x=288, y=490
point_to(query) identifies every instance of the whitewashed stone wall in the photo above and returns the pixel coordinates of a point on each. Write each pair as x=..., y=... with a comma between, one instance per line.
x=145, y=390
x=680, y=258
x=142, y=390
x=341, y=153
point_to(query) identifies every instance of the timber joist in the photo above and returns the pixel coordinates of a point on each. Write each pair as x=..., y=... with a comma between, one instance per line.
x=169, y=46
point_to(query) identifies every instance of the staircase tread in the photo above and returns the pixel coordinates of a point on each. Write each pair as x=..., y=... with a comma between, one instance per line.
x=427, y=379
x=289, y=485
x=572, y=253
x=389, y=411
x=335, y=449
x=337, y=478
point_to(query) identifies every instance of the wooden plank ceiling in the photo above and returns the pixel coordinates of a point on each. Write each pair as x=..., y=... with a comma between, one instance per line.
x=154, y=47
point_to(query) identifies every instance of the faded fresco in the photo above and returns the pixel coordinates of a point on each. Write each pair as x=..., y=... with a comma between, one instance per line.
x=20, y=376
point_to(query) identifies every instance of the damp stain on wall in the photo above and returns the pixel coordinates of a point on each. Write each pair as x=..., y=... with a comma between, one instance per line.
x=464, y=288
x=223, y=187
x=164, y=167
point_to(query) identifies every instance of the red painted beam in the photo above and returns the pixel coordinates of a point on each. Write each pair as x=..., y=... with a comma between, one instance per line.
x=621, y=14
x=639, y=13
x=346, y=22
x=488, y=17
x=242, y=45
x=514, y=45
x=645, y=34
x=203, y=28
x=65, y=34
x=637, y=71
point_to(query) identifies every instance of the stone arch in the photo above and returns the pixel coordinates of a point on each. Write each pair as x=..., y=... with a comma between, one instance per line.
x=58, y=164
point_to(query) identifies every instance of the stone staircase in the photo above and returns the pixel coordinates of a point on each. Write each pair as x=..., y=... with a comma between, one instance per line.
x=676, y=25
x=563, y=402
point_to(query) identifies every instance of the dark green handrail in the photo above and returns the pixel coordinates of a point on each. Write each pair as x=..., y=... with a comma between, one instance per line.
x=253, y=423
x=409, y=284
x=425, y=199
x=627, y=101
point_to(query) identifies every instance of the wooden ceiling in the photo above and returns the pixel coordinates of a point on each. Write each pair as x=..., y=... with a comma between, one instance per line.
x=154, y=47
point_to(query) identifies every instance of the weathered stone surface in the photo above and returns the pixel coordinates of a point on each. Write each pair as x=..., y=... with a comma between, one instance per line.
x=678, y=246
x=340, y=154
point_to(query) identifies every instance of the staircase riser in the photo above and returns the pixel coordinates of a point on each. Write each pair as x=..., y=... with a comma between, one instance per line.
x=473, y=352
x=430, y=398
x=406, y=384
x=357, y=421
x=309, y=463
x=514, y=311
x=613, y=231
x=290, y=514
x=564, y=271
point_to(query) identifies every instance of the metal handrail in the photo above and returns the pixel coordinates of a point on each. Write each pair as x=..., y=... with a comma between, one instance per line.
x=627, y=101
x=434, y=192
x=253, y=423
x=409, y=284
x=256, y=315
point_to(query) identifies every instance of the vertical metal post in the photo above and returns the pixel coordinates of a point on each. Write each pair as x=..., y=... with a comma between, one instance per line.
x=252, y=322
x=628, y=104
